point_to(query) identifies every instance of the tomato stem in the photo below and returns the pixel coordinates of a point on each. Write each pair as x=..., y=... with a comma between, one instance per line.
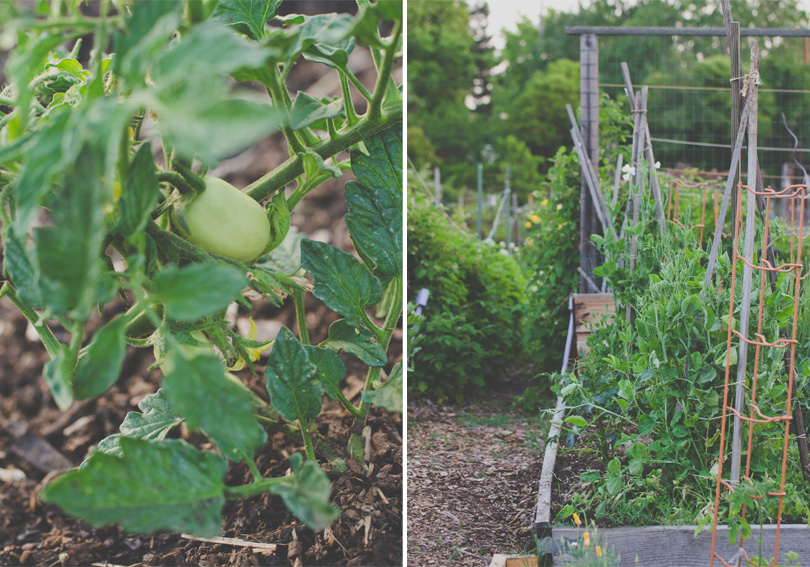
x=277, y=179
x=277, y=92
x=255, y=488
x=301, y=316
x=307, y=439
x=45, y=334
x=375, y=106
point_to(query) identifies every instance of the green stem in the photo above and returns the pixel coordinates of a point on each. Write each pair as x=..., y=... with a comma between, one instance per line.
x=351, y=115
x=355, y=445
x=45, y=334
x=176, y=180
x=254, y=470
x=347, y=74
x=255, y=488
x=277, y=179
x=307, y=440
x=301, y=316
x=277, y=93
x=375, y=106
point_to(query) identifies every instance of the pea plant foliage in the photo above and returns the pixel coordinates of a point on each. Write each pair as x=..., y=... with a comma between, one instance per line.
x=94, y=217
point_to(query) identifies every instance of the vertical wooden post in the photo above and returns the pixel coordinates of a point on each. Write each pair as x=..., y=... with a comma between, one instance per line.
x=589, y=108
x=480, y=199
x=437, y=187
x=736, y=87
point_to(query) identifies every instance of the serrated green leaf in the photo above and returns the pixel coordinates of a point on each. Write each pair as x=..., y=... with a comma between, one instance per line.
x=57, y=372
x=375, y=205
x=576, y=420
x=285, y=258
x=140, y=193
x=20, y=268
x=342, y=282
x=331, y=369
x=308, y=498
x=292, y=380
x=213, y=129
x=279, y=214
x=358, y=341
x=389, y=396
x=307, y=110
x=335, y=55
x=151, y=486
x=150, y=26
x=246, y=16
x=197, y=290
x=198, y=390
x=154, y=421
x=68, y=253
x=100, y=363
x=304, y=31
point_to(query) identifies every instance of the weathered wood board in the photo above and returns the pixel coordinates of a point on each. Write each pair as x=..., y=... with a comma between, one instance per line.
x=589, y=309
x=660, y=546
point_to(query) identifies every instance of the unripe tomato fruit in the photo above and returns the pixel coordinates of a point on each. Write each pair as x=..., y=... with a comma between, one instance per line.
x=225, y=221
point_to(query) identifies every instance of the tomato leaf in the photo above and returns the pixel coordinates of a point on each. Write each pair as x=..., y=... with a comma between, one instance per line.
x=198, y=390
x=389, y=395
x=246, y=16
x=20, y=267
x=155, y=419
x=375, y=205
x=576, y=420
x=100, y=362
x=285, y=258
x=292, y=380
x=197, y=290
x=342, y=282
x=331, y=369
x=149, y=28
x=140, y=193
x=308, y=497
x=152, y=486
x=304, y=31
x=68, y=253
x=358, y=341
x=57, y=373
x=307, y=111
x=335, y=55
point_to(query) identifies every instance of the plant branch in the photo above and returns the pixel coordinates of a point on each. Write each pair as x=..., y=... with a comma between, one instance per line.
x=277, y=179
x=301, y=316
x=52, y=345
x=375, y=106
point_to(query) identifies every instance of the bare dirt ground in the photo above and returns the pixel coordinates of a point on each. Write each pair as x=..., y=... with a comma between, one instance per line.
x=472, y=480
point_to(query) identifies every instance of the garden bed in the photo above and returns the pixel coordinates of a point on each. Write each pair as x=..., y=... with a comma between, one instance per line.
x=652, y=545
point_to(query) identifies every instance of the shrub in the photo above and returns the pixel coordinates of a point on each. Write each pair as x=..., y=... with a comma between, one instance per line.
x=472, y=326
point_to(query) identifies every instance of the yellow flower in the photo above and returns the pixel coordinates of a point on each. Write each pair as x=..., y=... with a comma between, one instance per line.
x=587, y=538
x=528, y=224
x=544, y=202
x=577, y=521
x=535, y=219
x=253, y=352
x=598, y=551
x=529, y=242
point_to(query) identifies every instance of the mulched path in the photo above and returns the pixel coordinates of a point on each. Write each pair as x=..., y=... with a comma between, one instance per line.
x=472, y=481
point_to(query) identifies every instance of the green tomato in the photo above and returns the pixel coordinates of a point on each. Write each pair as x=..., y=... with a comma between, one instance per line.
x=224, y=221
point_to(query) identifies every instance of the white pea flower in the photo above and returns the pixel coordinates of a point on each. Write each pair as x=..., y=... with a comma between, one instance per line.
x=658, y=165
x=629, y=172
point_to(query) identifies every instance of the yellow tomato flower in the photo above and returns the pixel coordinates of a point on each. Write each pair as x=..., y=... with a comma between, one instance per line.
x=598, y=551
x=253, y=352
x=535, y=219
x=528, y=224
x=544, y=202
x=587, y=538
x=577, y=521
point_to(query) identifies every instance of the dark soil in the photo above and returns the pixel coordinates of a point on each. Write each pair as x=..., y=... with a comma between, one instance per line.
x=473, y=472
x=37, y=441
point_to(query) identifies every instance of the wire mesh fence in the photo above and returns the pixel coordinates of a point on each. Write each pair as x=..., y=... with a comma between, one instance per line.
x=689, y=106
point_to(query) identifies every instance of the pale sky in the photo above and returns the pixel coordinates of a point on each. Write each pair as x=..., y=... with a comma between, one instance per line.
x=505, y=13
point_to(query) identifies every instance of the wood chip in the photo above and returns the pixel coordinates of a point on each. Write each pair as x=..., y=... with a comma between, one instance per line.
x=233, y=541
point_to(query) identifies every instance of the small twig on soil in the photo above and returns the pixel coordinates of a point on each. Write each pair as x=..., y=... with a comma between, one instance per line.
x=234, y=541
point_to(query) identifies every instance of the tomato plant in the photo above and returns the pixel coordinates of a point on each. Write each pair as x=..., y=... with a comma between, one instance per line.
x=103, y=183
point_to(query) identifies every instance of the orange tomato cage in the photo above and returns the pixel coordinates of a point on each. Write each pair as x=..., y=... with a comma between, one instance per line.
x=745, y=412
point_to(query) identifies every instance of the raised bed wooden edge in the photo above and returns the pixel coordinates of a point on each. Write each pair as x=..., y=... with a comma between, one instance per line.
x=655, y=546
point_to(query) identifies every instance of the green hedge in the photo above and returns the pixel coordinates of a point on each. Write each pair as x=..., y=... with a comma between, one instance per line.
x=472, y=328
